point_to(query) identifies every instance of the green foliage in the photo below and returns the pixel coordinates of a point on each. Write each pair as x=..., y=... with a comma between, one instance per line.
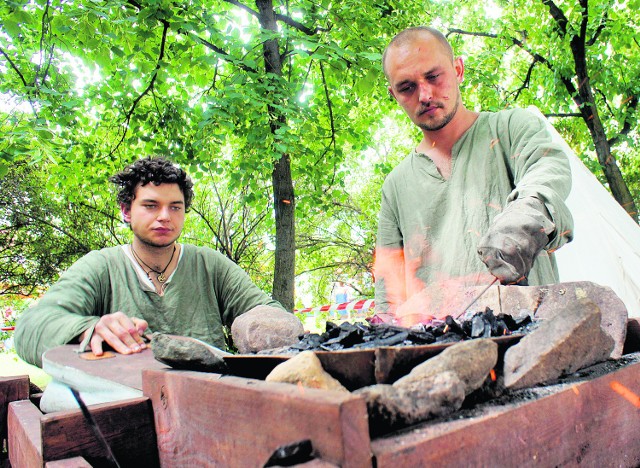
x=87, y=87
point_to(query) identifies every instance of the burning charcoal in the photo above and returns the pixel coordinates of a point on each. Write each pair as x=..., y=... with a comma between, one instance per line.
x=393, y=340
x=454, y=326
x=308, y=341
x=509, y=322
x=418, y=337
x=480, y=326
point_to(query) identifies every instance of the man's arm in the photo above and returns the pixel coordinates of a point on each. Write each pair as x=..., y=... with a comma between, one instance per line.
x=390, y=287
x=57, y=318
x=75, y=308
x=541, y=170
x=535, y=217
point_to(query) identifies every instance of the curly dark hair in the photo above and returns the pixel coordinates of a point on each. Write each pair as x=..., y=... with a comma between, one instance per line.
x=157, y=170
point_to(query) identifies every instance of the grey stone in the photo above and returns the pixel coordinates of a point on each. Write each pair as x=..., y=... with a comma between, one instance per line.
x=181, y=352
x=390, y=406
x=570, y=340
x=265, y=327
x=471, y=360
x=614, y=315
x=305, y=369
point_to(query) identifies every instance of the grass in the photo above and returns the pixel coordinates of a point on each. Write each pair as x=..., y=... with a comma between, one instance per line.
x=11, y=364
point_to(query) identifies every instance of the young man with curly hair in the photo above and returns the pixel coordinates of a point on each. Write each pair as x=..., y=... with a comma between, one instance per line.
x=117, y=295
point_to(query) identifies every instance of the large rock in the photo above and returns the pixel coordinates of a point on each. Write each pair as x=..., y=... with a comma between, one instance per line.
x=265, y=327
x=305, y=369
x=436, y=387
x=614, y=315
x=570, y=340
x=391, y=406
x=181, y=352
x=471, y=360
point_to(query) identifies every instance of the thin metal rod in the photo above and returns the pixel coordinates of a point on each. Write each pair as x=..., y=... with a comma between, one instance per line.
x=94, y=427
x=477, y=297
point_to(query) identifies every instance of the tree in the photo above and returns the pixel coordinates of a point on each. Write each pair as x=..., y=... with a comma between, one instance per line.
x=41, y=234
x=572, y=61
x=189, y=81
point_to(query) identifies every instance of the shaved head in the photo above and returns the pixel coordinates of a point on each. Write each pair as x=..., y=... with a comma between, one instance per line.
x=409, y=35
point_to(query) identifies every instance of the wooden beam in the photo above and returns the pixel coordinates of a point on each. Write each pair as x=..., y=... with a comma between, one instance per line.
x=594, y=423
x=212, y=420
x=126, y=425
x=25, y=441
x=12, y=388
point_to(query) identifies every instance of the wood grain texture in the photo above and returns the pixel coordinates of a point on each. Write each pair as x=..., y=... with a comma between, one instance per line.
x=594, y=423
x=12, y=388
x=213, y=420
x=25, y=441
x=126, y=425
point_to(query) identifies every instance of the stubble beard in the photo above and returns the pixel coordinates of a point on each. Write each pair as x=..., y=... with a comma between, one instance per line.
x=149, y=243
x=437, y=125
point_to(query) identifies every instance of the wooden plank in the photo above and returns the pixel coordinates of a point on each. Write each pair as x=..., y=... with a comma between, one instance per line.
x=12, y=388
x=594, y=423
x=75, y=462
x=212, y=420
x=125, y=369
x=25, y=441
x=127, y=426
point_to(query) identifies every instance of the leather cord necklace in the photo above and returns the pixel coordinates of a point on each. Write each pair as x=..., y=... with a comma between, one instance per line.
x=160, y=274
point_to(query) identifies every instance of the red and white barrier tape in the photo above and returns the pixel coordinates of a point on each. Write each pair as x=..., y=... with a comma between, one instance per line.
x=358, y=306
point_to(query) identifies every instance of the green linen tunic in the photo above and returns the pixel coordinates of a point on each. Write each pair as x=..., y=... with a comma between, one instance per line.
x=433, y=225
x=205, y=291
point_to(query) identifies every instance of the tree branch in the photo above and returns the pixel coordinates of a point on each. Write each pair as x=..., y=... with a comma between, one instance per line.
x=557, y=15
x=129, y=114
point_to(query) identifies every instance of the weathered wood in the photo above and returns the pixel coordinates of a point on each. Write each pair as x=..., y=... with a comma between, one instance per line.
x=25, y=441
x=213, y=420
x=126, y=425
x=594, y=423
x=124, y=369
x=12, y=388
x=75, y=462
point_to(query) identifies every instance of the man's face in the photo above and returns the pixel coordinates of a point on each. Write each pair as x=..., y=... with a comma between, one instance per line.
x=156, y=214
x=424, y=81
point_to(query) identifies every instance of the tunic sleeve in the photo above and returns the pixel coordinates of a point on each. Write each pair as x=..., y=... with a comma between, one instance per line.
x=541, y=169
x=63, y=313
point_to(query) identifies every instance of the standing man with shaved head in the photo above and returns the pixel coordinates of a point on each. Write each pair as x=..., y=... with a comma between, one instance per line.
x=481, y=197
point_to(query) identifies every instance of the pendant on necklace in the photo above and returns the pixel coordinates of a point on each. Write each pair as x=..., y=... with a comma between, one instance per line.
x=162, y=278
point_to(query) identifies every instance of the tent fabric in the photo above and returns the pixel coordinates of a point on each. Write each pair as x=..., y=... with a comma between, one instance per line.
x=606, y=245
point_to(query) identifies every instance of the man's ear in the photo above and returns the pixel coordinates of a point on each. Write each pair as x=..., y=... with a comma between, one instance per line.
x=458, y=64
x=390, y=89
x=126, y=212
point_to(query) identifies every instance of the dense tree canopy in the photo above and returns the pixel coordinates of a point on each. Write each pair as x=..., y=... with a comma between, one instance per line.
x=280, y=112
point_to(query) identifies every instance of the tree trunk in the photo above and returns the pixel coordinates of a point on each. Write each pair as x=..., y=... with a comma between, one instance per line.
x=283, y=193
x=583, y=97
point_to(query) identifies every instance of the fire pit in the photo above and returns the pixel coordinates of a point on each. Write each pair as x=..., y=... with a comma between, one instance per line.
x=588, y=417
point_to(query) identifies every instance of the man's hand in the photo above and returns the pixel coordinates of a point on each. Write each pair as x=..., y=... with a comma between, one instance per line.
x=514, y=239
x=123, y=334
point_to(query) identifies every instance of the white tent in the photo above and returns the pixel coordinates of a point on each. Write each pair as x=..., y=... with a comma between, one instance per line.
x=606, y=245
